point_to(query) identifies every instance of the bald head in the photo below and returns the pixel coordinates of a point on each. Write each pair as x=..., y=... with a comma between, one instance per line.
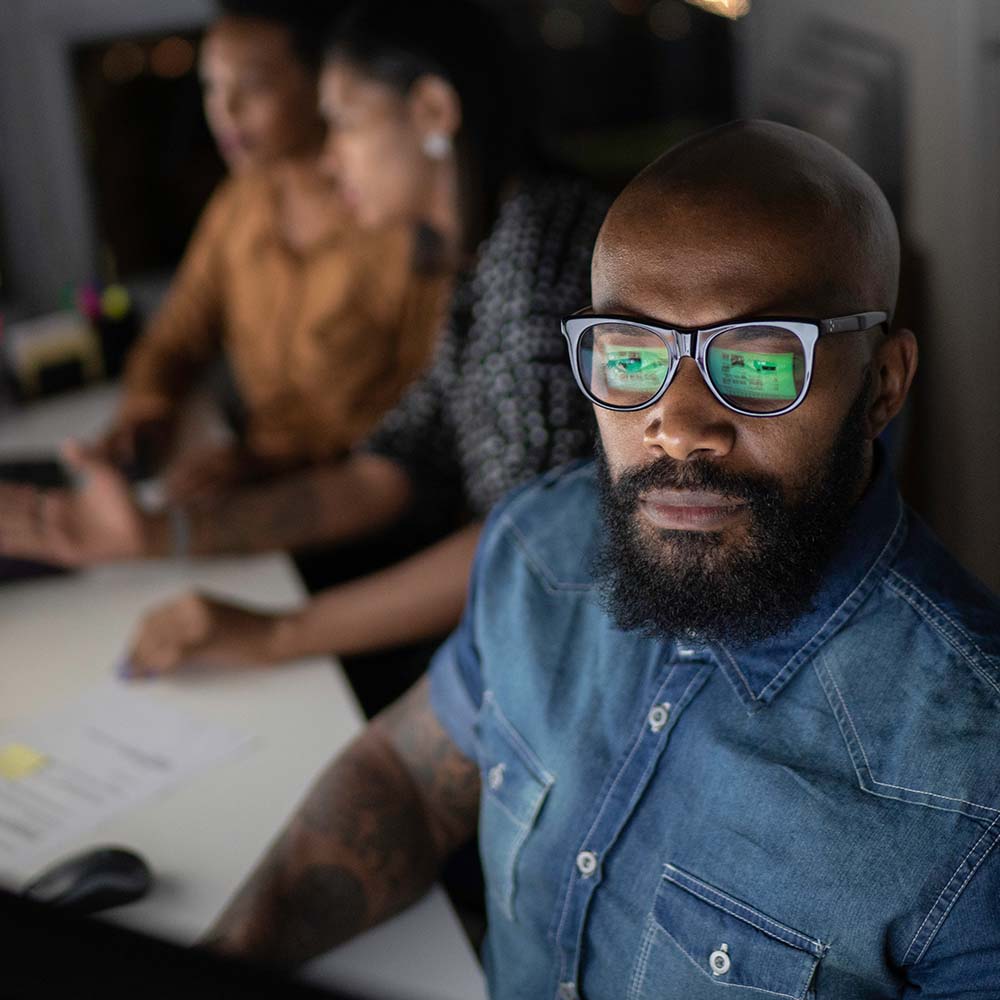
x=750, y=218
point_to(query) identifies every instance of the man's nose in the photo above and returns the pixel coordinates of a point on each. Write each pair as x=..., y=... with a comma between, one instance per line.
x=329, y=158
x=688, y=421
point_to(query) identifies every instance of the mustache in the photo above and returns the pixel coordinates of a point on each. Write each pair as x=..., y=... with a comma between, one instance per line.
x=759, y=491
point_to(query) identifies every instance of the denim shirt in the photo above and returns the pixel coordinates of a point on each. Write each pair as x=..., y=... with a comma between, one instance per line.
x=813, y=816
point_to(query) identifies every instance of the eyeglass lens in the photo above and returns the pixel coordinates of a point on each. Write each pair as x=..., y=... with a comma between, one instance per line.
x=760, y=369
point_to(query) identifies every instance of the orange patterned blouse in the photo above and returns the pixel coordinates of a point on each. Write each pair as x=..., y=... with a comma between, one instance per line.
x=321, y=341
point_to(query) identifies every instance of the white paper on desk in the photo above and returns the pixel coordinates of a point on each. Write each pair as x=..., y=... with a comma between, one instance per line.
x=95, y=757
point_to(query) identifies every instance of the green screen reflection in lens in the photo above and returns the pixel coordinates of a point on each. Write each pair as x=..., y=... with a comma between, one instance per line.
x=752, y=375
x=635, y=369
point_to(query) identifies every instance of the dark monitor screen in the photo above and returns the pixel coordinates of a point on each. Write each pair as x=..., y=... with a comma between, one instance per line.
x=46, y=953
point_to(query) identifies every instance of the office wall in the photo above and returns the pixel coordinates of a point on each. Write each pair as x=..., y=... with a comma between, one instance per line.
x=951, y=52
x=46, y=206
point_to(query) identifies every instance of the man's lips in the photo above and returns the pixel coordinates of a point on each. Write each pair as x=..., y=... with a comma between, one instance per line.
x=689, y=510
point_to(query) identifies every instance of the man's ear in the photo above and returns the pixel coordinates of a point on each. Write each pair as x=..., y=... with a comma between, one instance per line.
x=894, y=364
x=435, y=106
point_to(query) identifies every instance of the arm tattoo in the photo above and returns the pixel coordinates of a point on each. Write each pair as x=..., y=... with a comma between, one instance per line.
x=368, y=840
x=448, y=782
x=259, y=518
x=324, y=903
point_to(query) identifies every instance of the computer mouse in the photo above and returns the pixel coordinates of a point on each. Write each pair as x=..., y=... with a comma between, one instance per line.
x=93, y=881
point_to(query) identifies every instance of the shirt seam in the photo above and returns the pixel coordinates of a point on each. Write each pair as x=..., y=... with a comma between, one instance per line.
x=755, y=703
x=904, y=585
x=539, y=570
x=863, y=784
x=956, y=895
x=638, y=979
x=636, y=746
x=837, y=618
x=820, y=946
x=605, y=796
x=455, y=682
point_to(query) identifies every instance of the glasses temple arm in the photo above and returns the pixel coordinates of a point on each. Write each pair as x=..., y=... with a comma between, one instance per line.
x=849, y=324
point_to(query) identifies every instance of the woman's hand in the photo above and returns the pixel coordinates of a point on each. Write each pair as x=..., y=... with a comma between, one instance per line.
x=137, y=441
x=200, y=631
x=97, y=521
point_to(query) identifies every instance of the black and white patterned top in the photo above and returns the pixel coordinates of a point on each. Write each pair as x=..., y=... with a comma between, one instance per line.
x=499, y=405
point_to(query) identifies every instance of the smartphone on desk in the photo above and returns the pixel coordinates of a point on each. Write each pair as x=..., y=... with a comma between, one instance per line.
x=44, y=471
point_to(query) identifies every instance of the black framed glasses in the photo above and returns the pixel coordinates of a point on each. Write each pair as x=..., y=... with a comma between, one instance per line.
x=759, y=367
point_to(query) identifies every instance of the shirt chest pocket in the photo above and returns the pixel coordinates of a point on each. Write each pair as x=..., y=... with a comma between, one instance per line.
x=698, y=939
x=515, y=785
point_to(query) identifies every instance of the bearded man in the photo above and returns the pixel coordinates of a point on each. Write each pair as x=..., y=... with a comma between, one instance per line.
x=726, y=712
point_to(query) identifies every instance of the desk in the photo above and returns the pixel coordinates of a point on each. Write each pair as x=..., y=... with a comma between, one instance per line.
x=59, y=636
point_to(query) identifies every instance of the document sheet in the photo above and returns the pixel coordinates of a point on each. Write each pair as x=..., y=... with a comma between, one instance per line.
x=72, y=769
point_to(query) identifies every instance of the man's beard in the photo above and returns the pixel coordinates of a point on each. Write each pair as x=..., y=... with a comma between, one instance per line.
x=698, y=583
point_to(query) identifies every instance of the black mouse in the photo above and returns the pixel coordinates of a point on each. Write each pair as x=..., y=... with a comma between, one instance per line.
x=93, y=881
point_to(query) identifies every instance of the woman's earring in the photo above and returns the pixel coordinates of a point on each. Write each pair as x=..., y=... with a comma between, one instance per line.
x=437, y=145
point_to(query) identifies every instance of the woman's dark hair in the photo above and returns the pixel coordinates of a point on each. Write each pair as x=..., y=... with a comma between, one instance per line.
x=308, y=21
x=397, y=41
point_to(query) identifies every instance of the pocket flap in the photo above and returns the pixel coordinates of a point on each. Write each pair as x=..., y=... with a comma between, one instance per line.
x=734, y=943
x=515, y=785
x=513, y=777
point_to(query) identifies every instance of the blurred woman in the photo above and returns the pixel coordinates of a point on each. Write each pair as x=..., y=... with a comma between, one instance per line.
x=424, y=135
x=277, y=278
x=423, y=132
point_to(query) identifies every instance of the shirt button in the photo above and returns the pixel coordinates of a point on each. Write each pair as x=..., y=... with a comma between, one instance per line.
x=495, y=776
x=567, y=991
x=658, y=716
x=719, y=961
x=586, y=862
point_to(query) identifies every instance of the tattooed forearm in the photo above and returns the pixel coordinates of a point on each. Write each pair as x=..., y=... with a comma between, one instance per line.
x=447, y=780
x=325, y=903
x=368, y=840
x=260, y=518
x=320, y=907
x=323, y=503
x=378, y=819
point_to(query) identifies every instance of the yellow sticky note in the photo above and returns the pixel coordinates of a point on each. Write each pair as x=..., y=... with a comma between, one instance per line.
x=18, y=761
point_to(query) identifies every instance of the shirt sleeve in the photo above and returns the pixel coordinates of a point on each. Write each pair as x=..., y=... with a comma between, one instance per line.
x=963, y=959
x=456, y=677
x=185, y=332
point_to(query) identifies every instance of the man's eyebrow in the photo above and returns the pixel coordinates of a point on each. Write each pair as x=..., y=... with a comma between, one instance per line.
x=614, y=308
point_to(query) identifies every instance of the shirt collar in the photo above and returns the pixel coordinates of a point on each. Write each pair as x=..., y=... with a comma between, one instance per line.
x=875, y=531
x=262, y=225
